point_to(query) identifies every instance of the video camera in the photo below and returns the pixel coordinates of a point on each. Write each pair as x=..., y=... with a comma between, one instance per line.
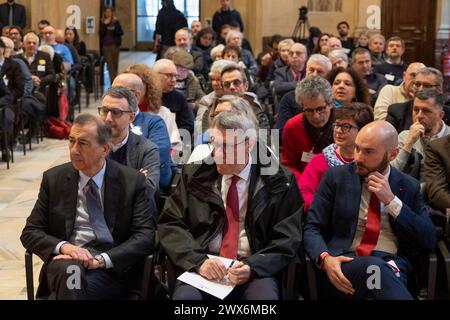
x=303, y=13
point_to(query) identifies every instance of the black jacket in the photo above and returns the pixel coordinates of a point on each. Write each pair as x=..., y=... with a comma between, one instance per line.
x=226, y=17
x=400, y=115
x=195, y=214
x=117, y=35
x=16, y=79
x=19, y=15
x=168, y=22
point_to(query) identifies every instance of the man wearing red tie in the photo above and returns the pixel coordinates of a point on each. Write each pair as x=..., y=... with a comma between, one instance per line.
x=367, y=215
x=237, y=204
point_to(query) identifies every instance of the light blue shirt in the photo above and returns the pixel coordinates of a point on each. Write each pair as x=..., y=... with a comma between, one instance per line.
x=83, y=232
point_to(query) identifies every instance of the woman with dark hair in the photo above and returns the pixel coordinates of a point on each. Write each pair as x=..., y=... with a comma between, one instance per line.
x=348, y=121
x=348, y=87
x=110, y=40
x=206, y=39
x=71, y=36
x=313, y=40
x=322, y=44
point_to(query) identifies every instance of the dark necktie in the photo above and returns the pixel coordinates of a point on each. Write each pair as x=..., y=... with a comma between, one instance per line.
x=230, y=239
x=96, y=215
x=373, y=226
x=11, y=17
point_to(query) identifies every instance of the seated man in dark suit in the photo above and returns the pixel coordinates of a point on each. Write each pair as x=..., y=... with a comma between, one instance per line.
x=286, y=78
x=92, y=216
x=400, y=114
x=362, y=233
x=237, y=208
x=118, y=109
x=437, y=173
x=11, y=70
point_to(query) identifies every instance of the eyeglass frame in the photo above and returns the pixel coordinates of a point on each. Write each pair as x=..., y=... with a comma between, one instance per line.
x=114, y=112
x=235, y=82
x=169, y=75
x=424, y=85
x=319, y=110
x=341, y=126
x=224, y=146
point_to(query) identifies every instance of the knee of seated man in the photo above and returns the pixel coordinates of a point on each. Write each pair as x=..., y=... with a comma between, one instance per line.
x=67, y=267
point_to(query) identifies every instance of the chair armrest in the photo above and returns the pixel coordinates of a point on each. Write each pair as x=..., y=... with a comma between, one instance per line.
x=147, y=273
x=29, y=274
x=311, y=275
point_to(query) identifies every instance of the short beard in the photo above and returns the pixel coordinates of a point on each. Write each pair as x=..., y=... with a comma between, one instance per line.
x=364, y=171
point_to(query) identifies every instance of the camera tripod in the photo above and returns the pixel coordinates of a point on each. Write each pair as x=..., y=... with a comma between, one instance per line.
x=299, y=34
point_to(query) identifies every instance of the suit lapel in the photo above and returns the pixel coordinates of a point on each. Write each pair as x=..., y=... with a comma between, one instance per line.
x=70, y=192
x=111, y=200
x=354, y=191
x=132, y=145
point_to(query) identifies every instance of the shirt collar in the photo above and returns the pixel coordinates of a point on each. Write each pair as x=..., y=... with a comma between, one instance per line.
x=245, y=173
x=98, y=178
x=440, y=133
x=116, y=147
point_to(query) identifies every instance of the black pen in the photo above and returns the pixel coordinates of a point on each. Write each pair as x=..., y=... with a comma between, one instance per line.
x=231, y=264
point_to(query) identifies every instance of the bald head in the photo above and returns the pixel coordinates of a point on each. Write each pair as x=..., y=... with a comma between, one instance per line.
x=163, y=64
x=49, y=35
x=132, y=82
x=167, y=72
x=59, y=36
x=381, y=133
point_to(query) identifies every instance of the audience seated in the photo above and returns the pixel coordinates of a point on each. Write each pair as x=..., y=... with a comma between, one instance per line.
x=376, y=219
x=16, y=35
x=347, y=43
x=322, y=44
x=71, y=37
x=239, y=222
x=376, y=47
x=427, y=126
x=348, y=121
x=339, y=59
x=50, y=39
x=235, y=38
x=103, y=226
x=118, y=109
x=309, y=132
x=362, y=64
x=334, y=43
x=348, y=87
x=390, y=94
x=400, y=115
x=318, y=65
x=11, y=70
x=393, y=68
x=205, y=43
x=150, y=126
x=286, y=78
x=184, y=40
x=267, y=59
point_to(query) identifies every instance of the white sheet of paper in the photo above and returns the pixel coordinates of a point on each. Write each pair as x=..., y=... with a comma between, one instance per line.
x=219, y=289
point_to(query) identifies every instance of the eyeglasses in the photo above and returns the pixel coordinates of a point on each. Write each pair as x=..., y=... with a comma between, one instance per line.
x=224, y=146
x=345, y=127
x=235, y=83
x=424, y=85
x=115, y=113
x=320, y=110
x=169, y=75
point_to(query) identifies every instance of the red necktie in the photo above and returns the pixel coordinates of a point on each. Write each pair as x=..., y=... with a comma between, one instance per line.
x=296, y=76
x=230, y=239
x=373, y=225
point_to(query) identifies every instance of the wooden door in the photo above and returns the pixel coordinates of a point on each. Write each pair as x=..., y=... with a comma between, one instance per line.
x=415, y=22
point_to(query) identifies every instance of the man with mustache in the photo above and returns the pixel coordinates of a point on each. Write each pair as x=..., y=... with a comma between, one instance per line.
x=365, y=216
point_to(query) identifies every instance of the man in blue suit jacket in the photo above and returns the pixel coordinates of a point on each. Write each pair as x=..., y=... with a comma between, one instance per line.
x=19, y=17
x=337, y=224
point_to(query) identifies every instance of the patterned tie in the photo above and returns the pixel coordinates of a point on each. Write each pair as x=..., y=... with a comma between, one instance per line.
x=373, y=225
x=230, y=239
x=96, y=216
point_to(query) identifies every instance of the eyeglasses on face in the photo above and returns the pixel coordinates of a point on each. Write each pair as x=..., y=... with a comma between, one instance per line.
x=224, y=146
x=115, y=113
x=425, y=85
x=297, y=53
x=235, y=83
x=319, y=110
x=345, y=127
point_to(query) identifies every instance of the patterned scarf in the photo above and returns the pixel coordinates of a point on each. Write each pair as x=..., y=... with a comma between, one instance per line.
x=332, y=156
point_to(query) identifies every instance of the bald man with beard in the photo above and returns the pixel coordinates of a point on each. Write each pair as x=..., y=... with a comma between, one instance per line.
x=368, y=216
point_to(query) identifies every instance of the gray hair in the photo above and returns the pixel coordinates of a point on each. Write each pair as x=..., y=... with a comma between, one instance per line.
x=432, y=93
x=286, y=42
x=239, y=105
x=338, y=54
x=320, y=58
x=235, y=121
x=103, y=130
x=217, y=50
x=313, y=87
x=219, y=65
x=375, y=36
x=47, y=49
x=428, y=71
x=123, y=93
x=234, y=67
x=233, y=33
x=31, y=35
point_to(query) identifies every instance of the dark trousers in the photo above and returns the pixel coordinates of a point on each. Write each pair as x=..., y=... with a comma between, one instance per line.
x=256, y=289
x=359, y=272
x=62, y=280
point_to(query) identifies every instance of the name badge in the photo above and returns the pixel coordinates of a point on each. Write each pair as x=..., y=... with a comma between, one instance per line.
x=42, y=62
x=390, y=77
x=41, y=68
x=306, y=157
